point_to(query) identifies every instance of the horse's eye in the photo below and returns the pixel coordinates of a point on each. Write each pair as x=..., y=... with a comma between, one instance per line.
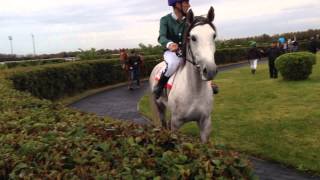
x=193, y=38
x=214, y=36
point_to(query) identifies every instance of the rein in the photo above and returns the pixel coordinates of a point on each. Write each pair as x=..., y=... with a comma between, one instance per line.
x=187, y=47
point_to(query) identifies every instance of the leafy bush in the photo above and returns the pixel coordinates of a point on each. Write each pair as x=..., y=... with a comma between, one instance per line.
x=295, y=66
x=10, y=65
x=227, y=55
x=55, y=81
x=230, y=55
x=44, y=140
x=88, y=55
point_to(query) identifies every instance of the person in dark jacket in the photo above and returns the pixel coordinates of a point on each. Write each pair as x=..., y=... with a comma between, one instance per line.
x=134, y=63
x=313, y=45
x=273, y=53
x=295, y=45
x=253, y=56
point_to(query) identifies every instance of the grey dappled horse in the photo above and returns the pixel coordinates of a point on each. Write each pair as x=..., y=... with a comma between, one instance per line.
x=190, y=98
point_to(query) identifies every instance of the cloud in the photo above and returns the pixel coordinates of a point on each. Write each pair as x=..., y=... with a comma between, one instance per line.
x=68, y=25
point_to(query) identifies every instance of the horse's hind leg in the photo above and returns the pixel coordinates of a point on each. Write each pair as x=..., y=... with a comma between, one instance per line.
x=205, y=129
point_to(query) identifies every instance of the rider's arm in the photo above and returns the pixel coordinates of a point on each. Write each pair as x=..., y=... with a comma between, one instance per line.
x=162, y=39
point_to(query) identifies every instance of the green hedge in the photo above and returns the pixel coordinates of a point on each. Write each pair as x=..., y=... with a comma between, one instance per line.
x=44, y=140
x=222, y=56
x=295, y=66
x=230, y=55
x=56, y=81
x=10, y=65
x=28, y=63
x=52, y=82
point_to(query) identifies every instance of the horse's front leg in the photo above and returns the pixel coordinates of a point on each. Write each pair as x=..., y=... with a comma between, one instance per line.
x=175, y=123
x=160, y=110
x=162, y=115
x=205, y=129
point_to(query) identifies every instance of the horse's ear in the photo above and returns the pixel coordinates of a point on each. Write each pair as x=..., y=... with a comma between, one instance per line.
x=190, y=17
x=210, y=15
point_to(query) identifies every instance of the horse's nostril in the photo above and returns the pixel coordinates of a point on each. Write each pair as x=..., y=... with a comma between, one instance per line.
x=205, y=71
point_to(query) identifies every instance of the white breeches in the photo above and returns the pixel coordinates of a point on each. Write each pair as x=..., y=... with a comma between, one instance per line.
x=253, y=63
x=172, y=61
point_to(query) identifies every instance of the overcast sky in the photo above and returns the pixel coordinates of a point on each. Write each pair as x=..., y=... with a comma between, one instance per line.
x=66, y=25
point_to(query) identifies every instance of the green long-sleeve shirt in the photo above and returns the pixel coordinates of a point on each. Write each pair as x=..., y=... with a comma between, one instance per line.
x=171, y=30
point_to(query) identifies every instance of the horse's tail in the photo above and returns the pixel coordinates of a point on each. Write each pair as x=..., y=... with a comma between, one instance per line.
x=156, y=107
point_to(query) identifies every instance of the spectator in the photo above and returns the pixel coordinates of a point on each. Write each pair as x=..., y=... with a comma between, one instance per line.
x=141, y=55
x=134, y=64
x=295, y=46
x=318, y=41
x=290, y=45
x=273, y=53
x=283, y=44
x=313, y=45
x=253, y=56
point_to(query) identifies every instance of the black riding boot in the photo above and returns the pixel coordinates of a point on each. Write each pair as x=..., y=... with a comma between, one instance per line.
x=159, y=87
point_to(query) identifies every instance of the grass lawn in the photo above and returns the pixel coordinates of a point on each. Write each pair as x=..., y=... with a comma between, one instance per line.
x=273, y=119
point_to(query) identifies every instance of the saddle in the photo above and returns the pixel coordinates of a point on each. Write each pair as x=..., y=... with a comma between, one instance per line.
x=169, y=84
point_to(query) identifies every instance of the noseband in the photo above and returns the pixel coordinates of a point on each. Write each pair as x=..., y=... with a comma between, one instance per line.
x=198, y=21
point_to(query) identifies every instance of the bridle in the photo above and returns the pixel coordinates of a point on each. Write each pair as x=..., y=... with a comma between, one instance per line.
x=198, y=21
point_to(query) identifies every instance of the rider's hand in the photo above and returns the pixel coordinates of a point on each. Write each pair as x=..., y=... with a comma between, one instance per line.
x=173, y=47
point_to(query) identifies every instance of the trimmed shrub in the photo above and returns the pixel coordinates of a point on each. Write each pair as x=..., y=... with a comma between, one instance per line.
x=295, y=66
x=10, y=65
x=52, y=82
x=231, y=55
x=56, y=81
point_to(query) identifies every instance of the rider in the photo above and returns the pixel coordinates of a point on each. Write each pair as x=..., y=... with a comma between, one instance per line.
x=171, y=33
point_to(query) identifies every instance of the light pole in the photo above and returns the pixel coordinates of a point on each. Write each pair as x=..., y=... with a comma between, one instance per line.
x=10, y=39
x=34, y=45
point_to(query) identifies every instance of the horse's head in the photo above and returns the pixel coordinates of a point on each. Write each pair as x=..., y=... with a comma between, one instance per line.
x=200, y=43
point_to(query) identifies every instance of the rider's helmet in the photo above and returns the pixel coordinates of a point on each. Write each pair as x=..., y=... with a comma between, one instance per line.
x=282, y=40
x=173, y=2
x=253, y=43
x=274, y=40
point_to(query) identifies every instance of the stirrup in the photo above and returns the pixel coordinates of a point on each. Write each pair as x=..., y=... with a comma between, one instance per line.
x=157, y=91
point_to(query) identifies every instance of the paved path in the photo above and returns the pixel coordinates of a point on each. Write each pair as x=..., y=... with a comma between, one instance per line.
x=119, y=103
x=122, y=104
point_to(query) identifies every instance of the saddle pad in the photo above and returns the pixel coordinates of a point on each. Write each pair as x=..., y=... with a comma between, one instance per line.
x=170, y=81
